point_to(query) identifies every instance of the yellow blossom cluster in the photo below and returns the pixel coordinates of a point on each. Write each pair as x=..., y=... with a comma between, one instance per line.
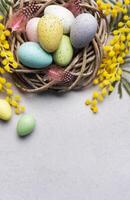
x=110, y=70
x=113, y=9
x=7, y=62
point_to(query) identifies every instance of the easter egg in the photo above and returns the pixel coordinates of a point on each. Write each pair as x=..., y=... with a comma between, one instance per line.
x=50, y=31
x=31, y=29
x=5, y=110
x=32, y=55
x=64, y=15
x=25, y=125
x=83, y=30
x=63, y=55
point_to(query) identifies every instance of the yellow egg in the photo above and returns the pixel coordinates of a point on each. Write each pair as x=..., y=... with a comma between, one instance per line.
x=5, y=110
x=50, y=31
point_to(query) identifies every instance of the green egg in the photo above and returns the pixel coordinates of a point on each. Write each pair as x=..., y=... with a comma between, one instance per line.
x=63, y=55
x=25, y=125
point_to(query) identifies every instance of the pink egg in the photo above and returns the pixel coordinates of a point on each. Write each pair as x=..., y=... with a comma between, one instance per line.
x=31, y=29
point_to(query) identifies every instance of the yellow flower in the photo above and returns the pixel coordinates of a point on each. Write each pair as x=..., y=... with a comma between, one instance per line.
x=22, y=108
x=95, y=94
x=17, y=97
x=2, y=27
x=120, y=24
x=100, y=98
x=125, y=10
x=2, y=80
x=5, y=62
x=7, y=68
x=128, y=37
x=120, y=60
x=17, y=111
x=6, y=46
x=115, y=32
x=127, y=2
x=112, y=53
x=123, y=38
x=7, y=33
x=94, y=102
x=95, y=109
x=115, y=52
x=1, y=86
x=128, y=23
x=14, y=64
x=8, y=85
x=111, y=88
x=87, y=102
x=14, y=103
x=104, y=92
x=7, y=59
x=107, y=48
x=126, y=17
x=1, y=17
x=2, y=71
x=3, y=54
x=95, y=82
x=2, y=37
x=9, y=91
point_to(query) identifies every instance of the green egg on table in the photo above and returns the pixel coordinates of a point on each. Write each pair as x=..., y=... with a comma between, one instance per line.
x=63, y=55
x=32, y=55
x=5, y=110
x=26, y=125
x=50, y=31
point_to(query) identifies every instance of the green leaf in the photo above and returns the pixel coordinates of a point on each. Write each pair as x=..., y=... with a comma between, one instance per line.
x=2, y=10
x=126, y=85
x=110, y=1
x=126, y=71
x=114, y=85
x=120, y=89
x=4, y=6
x=9, y=2
x=127, y=60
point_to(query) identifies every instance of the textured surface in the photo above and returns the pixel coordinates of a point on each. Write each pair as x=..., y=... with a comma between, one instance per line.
x=72, y=155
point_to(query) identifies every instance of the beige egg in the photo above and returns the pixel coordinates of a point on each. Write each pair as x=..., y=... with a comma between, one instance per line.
x=50, y=31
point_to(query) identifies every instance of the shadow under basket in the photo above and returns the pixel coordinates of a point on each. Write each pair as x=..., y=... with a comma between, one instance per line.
x=85, y=61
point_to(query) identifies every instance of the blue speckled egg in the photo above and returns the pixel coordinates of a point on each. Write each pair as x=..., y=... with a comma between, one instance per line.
x=32, y=55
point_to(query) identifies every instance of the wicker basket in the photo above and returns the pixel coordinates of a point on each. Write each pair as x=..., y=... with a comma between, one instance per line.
x=85, y=62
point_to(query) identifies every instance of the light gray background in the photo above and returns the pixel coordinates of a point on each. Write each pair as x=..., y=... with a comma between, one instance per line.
x=72, y=155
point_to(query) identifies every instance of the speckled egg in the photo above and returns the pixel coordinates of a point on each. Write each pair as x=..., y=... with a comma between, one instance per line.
x=25, y=125
x=32, y=55
x=63, y=55
x=64, y=15
x=50, y=31
x=83, y=30
x=31, y=29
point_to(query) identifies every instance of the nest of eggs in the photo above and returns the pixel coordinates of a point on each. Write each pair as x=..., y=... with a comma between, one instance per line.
x=83, y=67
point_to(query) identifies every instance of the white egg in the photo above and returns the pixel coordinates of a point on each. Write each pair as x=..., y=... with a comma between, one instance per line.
x=64, y=15
x=31, y=29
